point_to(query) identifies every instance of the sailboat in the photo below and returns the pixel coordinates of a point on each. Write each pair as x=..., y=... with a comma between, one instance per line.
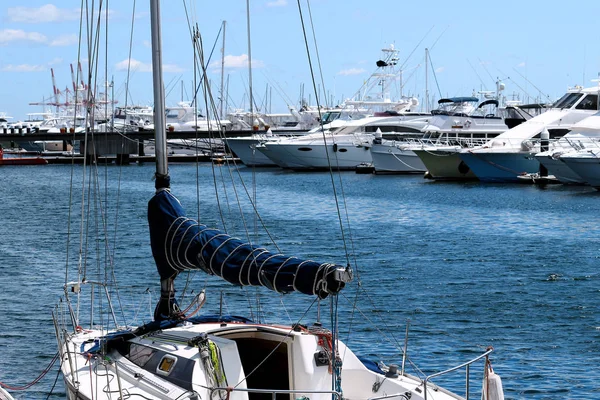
x=178, y=356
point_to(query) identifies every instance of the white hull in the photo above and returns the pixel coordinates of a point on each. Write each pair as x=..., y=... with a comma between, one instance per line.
x=245, y=149
x=137, y=369
x=312, y=155
x=395, y=158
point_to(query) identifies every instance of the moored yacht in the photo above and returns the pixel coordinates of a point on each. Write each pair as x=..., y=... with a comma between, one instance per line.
x=512, y=153
x=583, y=136
x=342, y=148
x=459, y=122
x=585, y=163
x=245, y=147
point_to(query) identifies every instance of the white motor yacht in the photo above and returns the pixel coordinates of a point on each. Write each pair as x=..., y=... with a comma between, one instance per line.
x=455, y=120
x=585, y=163
x=583, y=136
x=342, y=148
x=245, y=147
x=512, y=153
x=449, y=133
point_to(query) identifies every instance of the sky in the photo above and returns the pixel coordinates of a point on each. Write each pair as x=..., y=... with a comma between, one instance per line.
x=538, y=50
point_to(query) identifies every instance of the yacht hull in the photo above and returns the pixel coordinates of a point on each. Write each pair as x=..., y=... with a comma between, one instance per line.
x=500, y=167
x=245, y=149
x=392, y=159
x=445, y=165
x=559, y=169
x=586, y=166
x=317, y=156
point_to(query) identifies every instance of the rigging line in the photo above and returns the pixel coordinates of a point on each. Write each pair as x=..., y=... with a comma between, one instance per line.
x=324, y=137
x=312, y=25
x=528, y=81
x=199, y=44
x=474, y=70
x=524, y=91
x=173, y=82
x=438, y=38
x=388, y=336
x=36, y=380
x=485, y=69
x=415, y=48
x=196, y=129
x=75, y=318
x=433, y=72
x=249, y=58
x=278, y=88
x=54, y=384
x=208, y=96
x=278, y=344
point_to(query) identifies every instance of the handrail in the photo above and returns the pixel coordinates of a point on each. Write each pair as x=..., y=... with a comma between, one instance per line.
x=466, y=364
x=273, y=392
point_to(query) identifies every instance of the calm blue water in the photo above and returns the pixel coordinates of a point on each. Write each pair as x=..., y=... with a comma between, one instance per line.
x=471, y=265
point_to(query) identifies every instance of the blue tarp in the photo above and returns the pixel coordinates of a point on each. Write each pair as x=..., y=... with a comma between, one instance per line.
x=179, y=244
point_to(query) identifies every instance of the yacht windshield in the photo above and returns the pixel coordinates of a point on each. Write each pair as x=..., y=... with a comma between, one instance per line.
x=589, y=102
x=330, y=116
x=567, y=100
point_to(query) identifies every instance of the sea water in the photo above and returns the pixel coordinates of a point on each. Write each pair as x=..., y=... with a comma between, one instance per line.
x=465, y=265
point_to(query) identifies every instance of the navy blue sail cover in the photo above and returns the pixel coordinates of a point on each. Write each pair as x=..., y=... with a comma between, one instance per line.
x=180, y=244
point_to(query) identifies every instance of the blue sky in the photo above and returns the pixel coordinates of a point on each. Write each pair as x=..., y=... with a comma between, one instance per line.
x=533, y=47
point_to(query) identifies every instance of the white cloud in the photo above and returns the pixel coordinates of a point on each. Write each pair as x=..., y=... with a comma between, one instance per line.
x=277, y=3
x=19, y=35
x=237, y=62
x=24, y=68
x=147, y=44
x=440, y=69
x=64, y=40
x=139, y=66
x=45, y=13
x=521, y=64
x=134, y=64
x=352, y=71
x=14, y=35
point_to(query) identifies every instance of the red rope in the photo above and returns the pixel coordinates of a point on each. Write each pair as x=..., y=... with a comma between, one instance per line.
x=36, y=380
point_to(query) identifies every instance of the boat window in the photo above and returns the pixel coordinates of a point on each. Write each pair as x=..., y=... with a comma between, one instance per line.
x=304, y=149
x=330, y=116
x=140, y=355
x=567, y=100
x=166, y=364
x=589, y=102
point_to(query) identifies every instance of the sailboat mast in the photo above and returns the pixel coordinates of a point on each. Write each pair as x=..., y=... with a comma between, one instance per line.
x=426, y=81
x=159, y=96
x=250, y=63
x=222, y=70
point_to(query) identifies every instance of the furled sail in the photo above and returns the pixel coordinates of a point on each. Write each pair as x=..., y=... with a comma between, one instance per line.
x=179, y=244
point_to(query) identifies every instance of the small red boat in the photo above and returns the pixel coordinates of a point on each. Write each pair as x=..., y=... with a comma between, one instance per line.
x=19, y=159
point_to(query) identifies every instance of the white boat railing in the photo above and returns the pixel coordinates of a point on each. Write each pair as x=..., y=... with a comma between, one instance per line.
x=338, y=395
x=465, y=365
x=273, y=392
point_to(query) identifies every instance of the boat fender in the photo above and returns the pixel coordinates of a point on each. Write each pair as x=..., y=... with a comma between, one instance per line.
x=335, y=147
x=492, y=386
